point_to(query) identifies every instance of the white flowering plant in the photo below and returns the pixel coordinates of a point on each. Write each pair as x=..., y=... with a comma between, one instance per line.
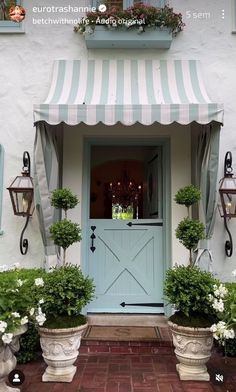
x=20, y=299
x=223, y=302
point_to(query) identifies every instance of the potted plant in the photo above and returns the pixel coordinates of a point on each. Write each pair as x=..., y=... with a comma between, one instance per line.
x=189, y=289
x=65, y=292
x=19, y=293
x=140, y=25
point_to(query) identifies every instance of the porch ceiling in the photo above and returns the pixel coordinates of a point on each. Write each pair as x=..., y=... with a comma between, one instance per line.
x=127, y=91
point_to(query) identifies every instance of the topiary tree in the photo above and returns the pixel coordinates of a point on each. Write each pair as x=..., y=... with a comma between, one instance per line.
x=188, y=195
x=189, y=231
x=64, y=233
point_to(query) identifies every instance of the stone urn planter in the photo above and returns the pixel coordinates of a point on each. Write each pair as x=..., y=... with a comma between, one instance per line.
x=8, y=360
x=193, y=350
x=60, y=351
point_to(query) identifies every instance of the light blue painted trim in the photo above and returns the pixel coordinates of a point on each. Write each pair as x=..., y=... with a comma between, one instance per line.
x=162, y=142
x=154, y=3
x=127, y=4
x=1, y=183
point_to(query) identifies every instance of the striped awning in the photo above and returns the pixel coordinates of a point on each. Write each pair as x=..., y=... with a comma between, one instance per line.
x=127, y=91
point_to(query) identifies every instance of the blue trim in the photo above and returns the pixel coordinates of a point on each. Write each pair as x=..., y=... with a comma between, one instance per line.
x=154, y=3
x=1, y=182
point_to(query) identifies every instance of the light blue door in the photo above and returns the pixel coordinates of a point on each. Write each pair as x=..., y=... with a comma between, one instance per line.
x=127, y=266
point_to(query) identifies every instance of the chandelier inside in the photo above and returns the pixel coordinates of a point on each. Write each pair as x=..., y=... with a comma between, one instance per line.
x=125, y=197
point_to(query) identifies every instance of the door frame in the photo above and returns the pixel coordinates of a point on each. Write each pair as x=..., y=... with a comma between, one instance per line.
x=164, y=143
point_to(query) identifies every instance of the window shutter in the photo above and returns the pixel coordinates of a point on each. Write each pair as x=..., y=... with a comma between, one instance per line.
x=1, y=182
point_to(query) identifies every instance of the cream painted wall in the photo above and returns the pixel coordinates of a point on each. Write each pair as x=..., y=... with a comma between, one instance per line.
x=25, y=70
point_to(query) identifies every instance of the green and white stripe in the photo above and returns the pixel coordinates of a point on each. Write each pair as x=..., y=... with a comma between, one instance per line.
x=127, y=91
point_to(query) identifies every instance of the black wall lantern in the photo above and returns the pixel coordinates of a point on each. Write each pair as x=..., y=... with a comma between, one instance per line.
x=21, y=192
x=228, y=199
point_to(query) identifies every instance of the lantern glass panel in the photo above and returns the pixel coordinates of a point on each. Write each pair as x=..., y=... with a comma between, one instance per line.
x=229, y=204
x=21, y=192
x=228, y=183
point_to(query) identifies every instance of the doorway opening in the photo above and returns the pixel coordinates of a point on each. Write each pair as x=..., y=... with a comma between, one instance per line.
x=125, y=182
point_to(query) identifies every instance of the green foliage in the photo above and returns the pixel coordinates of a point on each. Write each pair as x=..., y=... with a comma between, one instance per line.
x=230, y=347
x=66, y=291
x=65, y=321
x=229, y=314
x=188, y=195
x=65, y=233
x=188, y=289
x=196, y=320
x=29, y=345
x=18, y=295
x=64, y=199
x=189, y=232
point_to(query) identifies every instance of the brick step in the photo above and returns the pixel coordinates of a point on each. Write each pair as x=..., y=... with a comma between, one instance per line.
x=126, y=347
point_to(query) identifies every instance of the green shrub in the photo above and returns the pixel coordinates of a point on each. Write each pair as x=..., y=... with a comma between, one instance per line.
x=63, y=199
x=65, y=292
x=65, y=233
x=188, y=195
x=189, y=232
x=188, y=289
x=29, y=345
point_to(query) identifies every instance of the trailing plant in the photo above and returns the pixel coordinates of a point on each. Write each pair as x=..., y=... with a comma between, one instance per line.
x=189, y=289
x=64, y=233
x=139, y=15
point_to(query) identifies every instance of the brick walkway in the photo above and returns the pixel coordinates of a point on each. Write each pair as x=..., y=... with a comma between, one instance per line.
x=130, y=373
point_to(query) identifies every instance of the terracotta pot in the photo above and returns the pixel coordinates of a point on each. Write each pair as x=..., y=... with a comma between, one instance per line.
x=8, y=360
x=60, y=351
x=193, y=350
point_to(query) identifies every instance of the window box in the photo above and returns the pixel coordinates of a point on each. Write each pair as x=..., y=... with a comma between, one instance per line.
x=123, y=38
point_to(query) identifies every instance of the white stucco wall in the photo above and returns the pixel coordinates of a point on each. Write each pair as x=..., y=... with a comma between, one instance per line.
x=25, y=70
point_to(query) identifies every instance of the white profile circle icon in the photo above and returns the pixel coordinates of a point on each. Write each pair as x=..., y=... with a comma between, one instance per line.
x=16, y=378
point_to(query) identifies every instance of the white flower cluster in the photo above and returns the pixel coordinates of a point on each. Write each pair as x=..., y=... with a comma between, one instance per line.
x=221, y=332
x=217, y=300
x=16, y=319
x=4, y=267
x=7, y=337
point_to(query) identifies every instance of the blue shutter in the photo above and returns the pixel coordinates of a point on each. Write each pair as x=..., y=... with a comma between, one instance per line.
x=1, y=182
x=154, y=3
